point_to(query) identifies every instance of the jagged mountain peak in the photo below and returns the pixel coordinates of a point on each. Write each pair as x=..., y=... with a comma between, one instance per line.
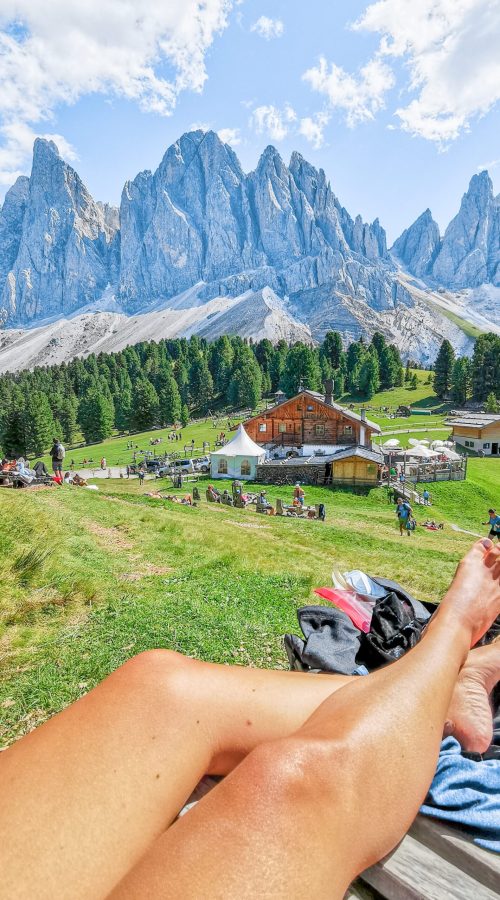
x=200, y=227
x=481, y=183
x=44, y=149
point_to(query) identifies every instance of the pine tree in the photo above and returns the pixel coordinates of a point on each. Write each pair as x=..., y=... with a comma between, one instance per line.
x=123, y=410
x=145, y=406
x=184, y=416
x=331, y=349
x=13, y=437
x=301, y=368
x=245, y=388
x=67, y=418
x=96, y=416
x=443, y=370
x=356, y=353
x=201, y=386
x=369, y=376
x=461, y=381
x=170, y=402
x=492, y=405
x=407, y=370
x=486, y=367
x=413, y=385
x=39, y=423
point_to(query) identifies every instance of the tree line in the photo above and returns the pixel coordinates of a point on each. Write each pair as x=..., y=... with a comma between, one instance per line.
x=462, y=379
x=158, y=383
x=154, y=384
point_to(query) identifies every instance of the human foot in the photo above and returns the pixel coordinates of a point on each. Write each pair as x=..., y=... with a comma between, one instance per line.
x=474, y=594
x=469, y=717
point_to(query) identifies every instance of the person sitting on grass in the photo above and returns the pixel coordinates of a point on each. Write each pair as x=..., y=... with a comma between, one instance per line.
x=90, y=799
x=298, y=495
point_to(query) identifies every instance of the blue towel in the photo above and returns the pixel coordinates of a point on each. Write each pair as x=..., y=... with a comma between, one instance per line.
x=467, y=792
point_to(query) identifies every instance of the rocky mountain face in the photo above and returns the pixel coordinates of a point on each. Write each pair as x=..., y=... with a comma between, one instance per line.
x=468, y=255
x=58, y=248
x=200, y=246
x=200, y=219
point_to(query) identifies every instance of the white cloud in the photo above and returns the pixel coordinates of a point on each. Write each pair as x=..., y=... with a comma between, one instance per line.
x=230, y=136
x=273, y=121
x=312, y=129
x=361, y=96
x=58, y=51
x=492, y=164
x=268, y=28
x=18, y=139
x=449, y=50
x=200, y=126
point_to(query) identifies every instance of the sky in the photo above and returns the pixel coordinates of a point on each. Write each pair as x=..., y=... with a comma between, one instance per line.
x=398, y=101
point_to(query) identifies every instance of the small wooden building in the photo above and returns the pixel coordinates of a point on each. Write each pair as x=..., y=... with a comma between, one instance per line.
x=477, y=431
x=351, y=467
x=357, y=466
x=311, y=419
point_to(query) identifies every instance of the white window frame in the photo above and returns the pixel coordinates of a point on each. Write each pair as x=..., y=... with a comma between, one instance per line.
x=248, y=468
x=262, y=426
x=222, y=467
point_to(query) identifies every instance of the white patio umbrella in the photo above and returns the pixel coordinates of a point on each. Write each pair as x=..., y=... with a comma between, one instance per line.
x=392, y=445
x=451, y=454
x=416, y=442
x=421, y=453
x=436, y=444
x=449, y=444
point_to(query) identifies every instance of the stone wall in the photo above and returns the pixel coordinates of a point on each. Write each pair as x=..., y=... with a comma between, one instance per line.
x=279, y=474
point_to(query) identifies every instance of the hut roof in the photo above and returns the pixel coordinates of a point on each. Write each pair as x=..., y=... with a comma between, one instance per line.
x=240, y=445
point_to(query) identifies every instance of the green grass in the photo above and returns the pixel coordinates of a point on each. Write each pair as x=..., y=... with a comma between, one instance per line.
x=470, y=330
x=422, y=396
x=87, y=579
x=115, y=451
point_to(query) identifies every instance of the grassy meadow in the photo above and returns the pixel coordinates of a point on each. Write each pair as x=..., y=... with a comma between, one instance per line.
x=88, y=579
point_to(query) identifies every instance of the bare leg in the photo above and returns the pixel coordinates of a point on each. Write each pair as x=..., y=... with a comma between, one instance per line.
x=342, y=790
x=85, y=795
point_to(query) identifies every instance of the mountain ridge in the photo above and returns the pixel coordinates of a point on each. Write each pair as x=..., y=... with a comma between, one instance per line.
x=200, y=225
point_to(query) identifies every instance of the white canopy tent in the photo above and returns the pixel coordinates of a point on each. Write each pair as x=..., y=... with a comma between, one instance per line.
x=238, y=459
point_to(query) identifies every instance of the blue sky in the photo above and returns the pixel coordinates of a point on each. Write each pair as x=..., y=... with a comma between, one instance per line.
x=397, y=123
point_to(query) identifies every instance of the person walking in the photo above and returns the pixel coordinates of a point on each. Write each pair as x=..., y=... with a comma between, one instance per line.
x=57, y=454
x=403, y=512
x=141, y=475
x=426, y=497
x=494, y=523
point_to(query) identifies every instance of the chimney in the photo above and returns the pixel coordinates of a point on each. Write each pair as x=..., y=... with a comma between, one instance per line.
x=363, y=414
x=329, y=391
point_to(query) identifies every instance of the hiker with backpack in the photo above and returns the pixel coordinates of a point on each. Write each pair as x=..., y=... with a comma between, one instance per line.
x=404, y=513
x=57, y=454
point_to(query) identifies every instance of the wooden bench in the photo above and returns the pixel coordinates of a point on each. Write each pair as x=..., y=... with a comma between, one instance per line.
x=435, y=861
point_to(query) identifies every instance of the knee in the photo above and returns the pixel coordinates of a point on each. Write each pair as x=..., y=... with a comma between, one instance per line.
x=299, y=769
x=163, y=672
